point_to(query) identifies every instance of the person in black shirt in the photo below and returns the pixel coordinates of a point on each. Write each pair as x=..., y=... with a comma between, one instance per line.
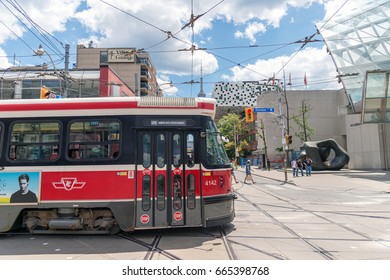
x=24, y=194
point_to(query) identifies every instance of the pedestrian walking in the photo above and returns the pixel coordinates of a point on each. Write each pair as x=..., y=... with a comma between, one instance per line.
x=248, y=172
x=300, y=167
x=294, y=167
x=268, y=164
x=308, y=162
x=233, y=175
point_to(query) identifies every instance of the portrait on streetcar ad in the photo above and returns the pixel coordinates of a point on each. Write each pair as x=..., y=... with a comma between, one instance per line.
x=19, y=187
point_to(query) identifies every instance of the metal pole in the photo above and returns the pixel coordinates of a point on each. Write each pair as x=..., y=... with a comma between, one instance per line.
x=282, y=128
x=66, y=85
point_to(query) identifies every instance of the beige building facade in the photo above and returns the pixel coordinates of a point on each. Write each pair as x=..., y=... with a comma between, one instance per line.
x=134, y=67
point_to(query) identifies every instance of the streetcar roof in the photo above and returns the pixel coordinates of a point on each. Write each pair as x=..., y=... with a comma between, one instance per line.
x=107, y=106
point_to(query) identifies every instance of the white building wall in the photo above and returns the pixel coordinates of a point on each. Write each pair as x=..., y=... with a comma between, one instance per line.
x=324, y=117
x=364, y=144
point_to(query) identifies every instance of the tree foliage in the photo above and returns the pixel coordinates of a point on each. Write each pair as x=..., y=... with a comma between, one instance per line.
x=231, y=127
x=304, y=132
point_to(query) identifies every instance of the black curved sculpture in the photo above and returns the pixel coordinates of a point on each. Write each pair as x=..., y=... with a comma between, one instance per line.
x=319, y=152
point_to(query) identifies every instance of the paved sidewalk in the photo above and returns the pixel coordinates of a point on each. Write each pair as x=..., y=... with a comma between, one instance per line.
x=375, y=180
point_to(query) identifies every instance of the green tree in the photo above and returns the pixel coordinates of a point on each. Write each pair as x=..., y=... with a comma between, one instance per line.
x=231, y=126
x=260, y=130
x=304, y=132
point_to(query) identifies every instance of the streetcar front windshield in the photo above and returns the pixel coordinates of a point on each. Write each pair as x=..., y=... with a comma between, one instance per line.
x=216, y=153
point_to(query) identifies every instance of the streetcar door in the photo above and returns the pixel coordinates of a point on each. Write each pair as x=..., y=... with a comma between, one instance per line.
x=168, y=184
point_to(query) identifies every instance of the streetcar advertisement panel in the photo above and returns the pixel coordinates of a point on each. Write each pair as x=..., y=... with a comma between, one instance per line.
x=19, y=187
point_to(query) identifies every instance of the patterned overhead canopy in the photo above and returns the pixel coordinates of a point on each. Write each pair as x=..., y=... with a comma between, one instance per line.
x=358, y=40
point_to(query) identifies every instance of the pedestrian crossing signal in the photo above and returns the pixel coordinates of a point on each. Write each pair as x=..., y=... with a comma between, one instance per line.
x=249, y=115
x=45, y=93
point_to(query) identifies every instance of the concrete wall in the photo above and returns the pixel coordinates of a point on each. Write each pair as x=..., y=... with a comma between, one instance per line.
x=325, y=117
x=368, y=144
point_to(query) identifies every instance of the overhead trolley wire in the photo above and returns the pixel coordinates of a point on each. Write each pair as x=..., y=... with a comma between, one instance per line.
x=40, y=30
x=35, y=35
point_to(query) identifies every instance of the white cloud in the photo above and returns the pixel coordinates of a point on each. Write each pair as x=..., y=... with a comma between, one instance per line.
x=316, y=63
x=155, y=17
x=145, y=24
x=166, y=85
x=3, y=60
x=251, y=31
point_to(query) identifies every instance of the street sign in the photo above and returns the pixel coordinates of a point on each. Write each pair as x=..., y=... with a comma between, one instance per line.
x=262, y=110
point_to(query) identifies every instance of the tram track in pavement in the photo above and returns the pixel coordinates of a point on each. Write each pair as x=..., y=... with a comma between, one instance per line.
x=324, y=253
x=306, y=241
x=364, y=236
x=152, y=247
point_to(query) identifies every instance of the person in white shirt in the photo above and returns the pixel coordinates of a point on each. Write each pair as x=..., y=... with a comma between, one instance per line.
x=294, y=167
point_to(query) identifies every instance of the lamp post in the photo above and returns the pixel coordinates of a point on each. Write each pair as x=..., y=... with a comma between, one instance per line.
x=40, y=52
x=159, y=89
x=283, y=133
x=64, y=76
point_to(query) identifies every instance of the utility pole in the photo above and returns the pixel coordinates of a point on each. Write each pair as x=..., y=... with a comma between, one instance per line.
x=283, y=134
x=66, y=81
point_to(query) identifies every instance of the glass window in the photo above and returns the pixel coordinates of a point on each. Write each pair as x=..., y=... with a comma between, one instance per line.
x=146, y=198
x=147, y=150
x=94, y=139
x=190, y=160
x=160, y=149
x=34, y=141
x=191, y=197
x=7, y=89
x=176, y=150
x=216, y=154
x=32, y=88
x=375, y=85
x=177, y=192
x=160, y=192
x=103, y=57
x=84, y=88
x=376, y=102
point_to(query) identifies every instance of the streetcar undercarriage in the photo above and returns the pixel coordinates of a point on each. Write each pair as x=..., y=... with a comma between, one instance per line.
x=70, y=220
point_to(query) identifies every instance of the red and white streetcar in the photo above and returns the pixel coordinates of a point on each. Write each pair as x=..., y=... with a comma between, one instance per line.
x=100, y=165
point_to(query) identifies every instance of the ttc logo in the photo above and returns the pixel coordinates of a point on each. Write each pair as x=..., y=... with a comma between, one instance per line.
x=68, y=184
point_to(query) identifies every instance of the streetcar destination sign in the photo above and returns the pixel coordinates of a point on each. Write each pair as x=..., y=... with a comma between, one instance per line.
x=259, y=110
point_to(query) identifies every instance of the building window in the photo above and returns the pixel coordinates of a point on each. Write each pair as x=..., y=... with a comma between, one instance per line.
x=103, y=58
x=376, y=97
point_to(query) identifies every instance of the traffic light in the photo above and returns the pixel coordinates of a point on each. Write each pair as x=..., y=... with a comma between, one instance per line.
x=288, y=139
x=249, y=115
x=45, y=93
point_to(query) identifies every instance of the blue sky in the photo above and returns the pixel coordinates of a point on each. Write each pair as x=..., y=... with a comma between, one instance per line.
x=228, y=30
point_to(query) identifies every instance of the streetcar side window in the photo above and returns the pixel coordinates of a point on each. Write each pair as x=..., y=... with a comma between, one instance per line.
x=34, y=141
x=94, y=139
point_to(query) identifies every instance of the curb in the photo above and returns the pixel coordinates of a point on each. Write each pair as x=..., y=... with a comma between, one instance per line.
x=271, y=178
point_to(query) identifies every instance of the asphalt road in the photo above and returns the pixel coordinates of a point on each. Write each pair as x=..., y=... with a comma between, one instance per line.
x=274, y=221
